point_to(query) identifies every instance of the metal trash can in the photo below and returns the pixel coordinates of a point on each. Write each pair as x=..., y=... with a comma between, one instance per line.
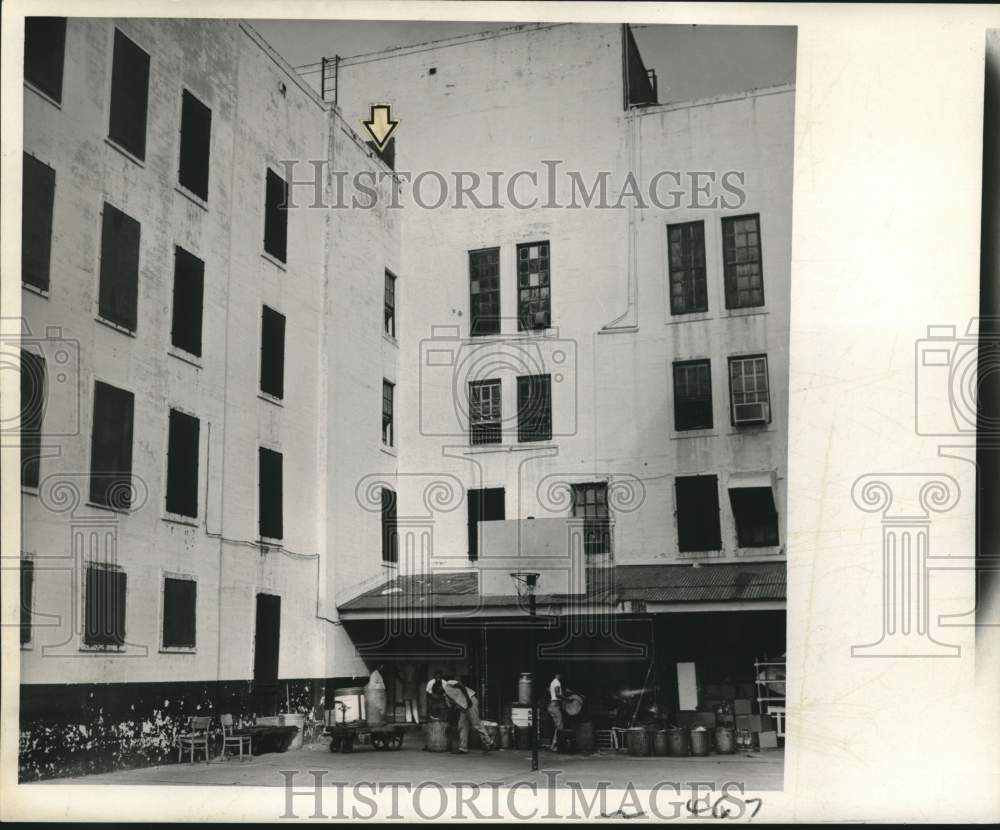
x=677, y=742
x=700, y=742
x=638, y=742
x=725, y=740
x=437, y=735
x=660, y=745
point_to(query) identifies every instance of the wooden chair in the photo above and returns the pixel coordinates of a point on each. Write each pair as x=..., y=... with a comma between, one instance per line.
x=230, y=738
x=196, y=738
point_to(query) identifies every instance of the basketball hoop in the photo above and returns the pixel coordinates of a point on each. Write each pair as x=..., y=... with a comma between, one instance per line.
x=524, y=582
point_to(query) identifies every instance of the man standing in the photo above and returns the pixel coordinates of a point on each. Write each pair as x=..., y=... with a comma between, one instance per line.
x=437, y=703
x=556, y=707
x=464, y=699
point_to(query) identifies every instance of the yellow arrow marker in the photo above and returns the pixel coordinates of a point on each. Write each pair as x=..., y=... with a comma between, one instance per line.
x=380, y=125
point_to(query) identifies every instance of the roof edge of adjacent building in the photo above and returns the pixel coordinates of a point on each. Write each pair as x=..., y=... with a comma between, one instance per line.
x=724, y=98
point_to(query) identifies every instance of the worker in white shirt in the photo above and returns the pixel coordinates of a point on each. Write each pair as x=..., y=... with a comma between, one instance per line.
x=556, y=707
x=464, y=700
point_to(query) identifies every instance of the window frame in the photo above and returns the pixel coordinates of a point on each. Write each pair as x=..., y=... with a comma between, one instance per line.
x=102, y=502
x=181, y=253
x=27, y=608
x=177, y=648
x=105, y=293
x=113, y=645
x=389, y=523
x=44, y=260
x=476, y=301
x=489, y=430
x=547, y=286
x=271, y=176
x=262, y=453
x=389, y=305
x=272, y=364
x=742, y=535
x=196, y=467
x=524, y=382
x=729, y=288
x=187, y=94
x=388, y=413
x=130, y=152
x=35, y=444
x=689, y=532
x=687, y=276
x=680, y=366
x=52, y=95
x=597, y=529
x=735, y=359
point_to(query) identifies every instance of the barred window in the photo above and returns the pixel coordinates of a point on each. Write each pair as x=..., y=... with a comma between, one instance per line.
x=533, y=306
x=387, y=424
x=590, y=502
x=390, y=304
x=534, y=408
x=688, y=291
x=484, y=291
x=742, y=261
x=692, y=395
x=485, y=411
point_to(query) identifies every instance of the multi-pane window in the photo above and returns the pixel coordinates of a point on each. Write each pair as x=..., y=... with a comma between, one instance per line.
x=692, y=395
x=390, y=532
x=272, y=353
x=388, y=437
x=44, y=54
x=533, y=300
x=590, y=503
x=697, y=515
x=390, y=304
x=744, y=275
x=37, y=199
x=118, y=295
x=104, y=606
x=33, y=399
x=688, y=291
x=484, y=291
x=180, y=599
x=485, y=411
x=534, y=408
x=276, y=216
x=111, y=447
x=182, y=464
x=129, y=96
x=755, y=515
x=196, y=140
x=748, y=389
x=189, y=289
x=270, y=513
x=27, y=598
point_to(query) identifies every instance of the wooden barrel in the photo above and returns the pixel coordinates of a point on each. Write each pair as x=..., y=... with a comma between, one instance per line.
x=585, y=741
x=437, y=736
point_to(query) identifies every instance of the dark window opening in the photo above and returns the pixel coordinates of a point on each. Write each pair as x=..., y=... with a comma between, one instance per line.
x=688, y=290
x=182, y=464
x=390, y=304
x=111, y=447
x=267, y=637
x=743, y=270
x=748, y=390
x=119, y=290
x=272, y=353
x=37, y=199
x=179, y=608
x=755, y=515
x=189, y=291
x=640, y=83
x=387, y=153
x=387, y=421
x=486, y=505
x=44, y=54
x=33, y=400
x=276, y=216
x=485, y=411
x=590, y=503
x=698, y=513
x=270, y=489
x=390, y=530
x=104, y=607
x=534, y=408
x=692, y=395
x=129, y=96
x=484, y=291
x=196, y=141
x=27, y=586
x=533, y=273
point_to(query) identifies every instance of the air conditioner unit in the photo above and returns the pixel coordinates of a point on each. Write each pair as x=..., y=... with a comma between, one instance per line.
x=751, y=413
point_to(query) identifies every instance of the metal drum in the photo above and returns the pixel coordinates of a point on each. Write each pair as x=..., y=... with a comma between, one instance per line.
x=660, y=745
x=725, y=742
x=638, y=742
x=700, y=743
x=437, y=736
x=524, y=689
x=677, y=742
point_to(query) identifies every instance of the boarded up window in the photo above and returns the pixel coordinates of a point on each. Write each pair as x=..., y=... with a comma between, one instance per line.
x=533, y=276
x=267, y=637
x=44, y=51
x=104, y=607
x=688, y=290
x=196, y=140
x=129, y=96
x=276, y=216
x=119, y=291
x=486, y=505
x=755, y=515
x=270, y=487
x=692, y=395
x=37, y=200
x=742, y=261
x=27, y=587
x=33, y=399
x=189, y=288
x=111, y=447
x=485, y=409
x=179, y=606
x=698, y=513
x=534, y=408
x=182, y=464
x=272, y=353
x=484, y=291
x=390, y=533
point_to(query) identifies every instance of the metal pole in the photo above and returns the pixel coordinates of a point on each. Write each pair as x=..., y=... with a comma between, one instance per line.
x=535, y=725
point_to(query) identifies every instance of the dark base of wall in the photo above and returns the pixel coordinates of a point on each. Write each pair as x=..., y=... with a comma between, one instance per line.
x=82, y=729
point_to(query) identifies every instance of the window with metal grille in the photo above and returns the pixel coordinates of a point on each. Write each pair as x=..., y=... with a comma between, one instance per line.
x=27, y=599
x=104, y=606
x=485, y=411
x=129, y=96
x=387, y=424
x=270, y=487
x=590, y=503
x=533, y=299
x=534, y=408
x=33, y=400
x=37, y=199
x=390, y=304
x=180, y=600
x=698, y=526
x=272, y=353
x=390, y=531
x=692, y=395
x=44, y=54
x=276, y=216
x=755, y=515
x=196, y=141
x=118, y=296
x=688, y=290
x=111, y=447
x=182, y=464
x=748, y=389
x=744, y=275
x=189, y=289
x=484, y=290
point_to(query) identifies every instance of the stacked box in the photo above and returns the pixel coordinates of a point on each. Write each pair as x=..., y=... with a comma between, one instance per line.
x=742, y=706
x=768, y=740
x=755, y=723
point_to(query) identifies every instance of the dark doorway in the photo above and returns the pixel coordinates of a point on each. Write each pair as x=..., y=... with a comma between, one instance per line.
x=484, y=506
x=267, y=636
